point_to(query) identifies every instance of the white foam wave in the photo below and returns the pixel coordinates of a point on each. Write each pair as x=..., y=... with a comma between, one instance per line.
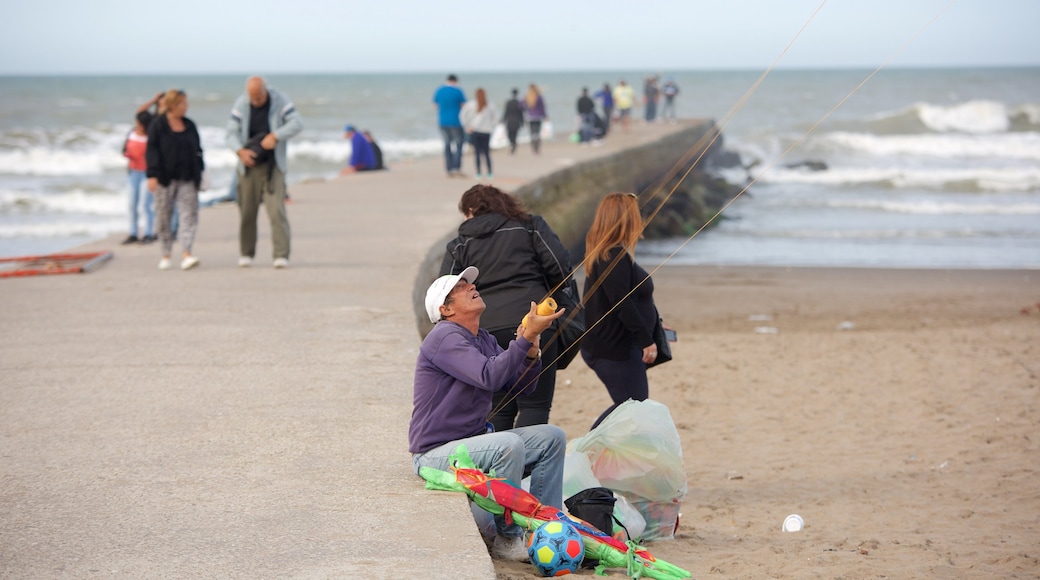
x=969, y=117
x=948, y=179
x=76, y=201
x=1003, y=145
x=871, y=234
x=62, y=229
x=932, y=207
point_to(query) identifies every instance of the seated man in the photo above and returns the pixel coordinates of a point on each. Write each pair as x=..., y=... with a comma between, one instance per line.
x=459, y=367
x=362, y=158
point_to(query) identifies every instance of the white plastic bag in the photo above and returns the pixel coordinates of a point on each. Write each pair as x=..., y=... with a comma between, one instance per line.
x=636, y=452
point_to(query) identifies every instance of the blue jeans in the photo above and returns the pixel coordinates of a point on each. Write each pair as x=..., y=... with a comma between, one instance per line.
x=624, y=379
x=481, y=148
x=452, y=148
x=140, y=197
x=537, y=451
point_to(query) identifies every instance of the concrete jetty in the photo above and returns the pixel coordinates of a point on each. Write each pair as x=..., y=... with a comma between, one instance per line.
x=243, y=423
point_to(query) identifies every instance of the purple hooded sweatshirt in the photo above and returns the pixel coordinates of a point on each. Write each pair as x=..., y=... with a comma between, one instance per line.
x=456, y=374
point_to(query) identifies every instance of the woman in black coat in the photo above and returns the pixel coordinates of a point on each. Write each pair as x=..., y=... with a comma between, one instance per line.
x=175, y=165
x=619, y=302
x=520, y=260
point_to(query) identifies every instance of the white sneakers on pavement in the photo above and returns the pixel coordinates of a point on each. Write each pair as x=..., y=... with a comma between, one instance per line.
x=189, y=262
x=511, y=549
x=281, y=263
x=245, y=262
x=164, y=264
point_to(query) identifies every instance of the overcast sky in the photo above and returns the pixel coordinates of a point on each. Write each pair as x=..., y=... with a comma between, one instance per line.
x=267, y=36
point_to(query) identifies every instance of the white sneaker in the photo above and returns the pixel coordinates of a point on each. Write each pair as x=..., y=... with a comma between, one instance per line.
x=245, y=262
x=511, y=549
x=281, y=263
x=164, y=264
x=189, y=263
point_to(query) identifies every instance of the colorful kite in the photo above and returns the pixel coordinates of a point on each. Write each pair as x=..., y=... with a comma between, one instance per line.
x=502, y=497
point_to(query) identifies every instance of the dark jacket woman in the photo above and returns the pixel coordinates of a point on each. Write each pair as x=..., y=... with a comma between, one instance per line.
x=173, y=155
x=629, y=325
x=619, y=302
x=520, y=260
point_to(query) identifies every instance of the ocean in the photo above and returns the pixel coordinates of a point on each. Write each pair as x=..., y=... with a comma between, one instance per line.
x=924, y=168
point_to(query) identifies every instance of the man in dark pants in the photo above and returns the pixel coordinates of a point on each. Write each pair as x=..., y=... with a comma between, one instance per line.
x=262, y=121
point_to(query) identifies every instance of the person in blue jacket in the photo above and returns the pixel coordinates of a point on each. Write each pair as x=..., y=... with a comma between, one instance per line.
x=448, y=100
x=362, y=156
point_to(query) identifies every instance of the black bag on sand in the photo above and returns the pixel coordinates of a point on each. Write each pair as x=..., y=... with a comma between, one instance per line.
x=594, y=505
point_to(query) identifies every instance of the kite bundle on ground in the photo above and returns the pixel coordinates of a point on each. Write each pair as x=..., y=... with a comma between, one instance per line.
x=502, y=497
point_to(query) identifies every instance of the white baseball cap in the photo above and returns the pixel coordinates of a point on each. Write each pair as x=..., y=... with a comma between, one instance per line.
x=440, y=289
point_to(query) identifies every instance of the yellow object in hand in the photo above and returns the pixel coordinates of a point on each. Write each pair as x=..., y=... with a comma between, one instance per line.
x=547, y=307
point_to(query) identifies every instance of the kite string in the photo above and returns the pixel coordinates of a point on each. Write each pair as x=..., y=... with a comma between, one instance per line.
x=699, y=149
x=766, y=168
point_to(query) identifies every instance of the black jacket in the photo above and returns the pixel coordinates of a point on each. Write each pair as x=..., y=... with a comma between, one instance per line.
x=174, y=156
x=632, y=322
x=514, y=113
x=519, y=262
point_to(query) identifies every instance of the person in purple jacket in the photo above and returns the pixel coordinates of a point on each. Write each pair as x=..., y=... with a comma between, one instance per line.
x=459, y=367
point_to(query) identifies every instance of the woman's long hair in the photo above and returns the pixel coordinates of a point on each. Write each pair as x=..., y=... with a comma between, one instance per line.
x=617, y=223
x=482, y=199
x=481, y=100
x=532, y=96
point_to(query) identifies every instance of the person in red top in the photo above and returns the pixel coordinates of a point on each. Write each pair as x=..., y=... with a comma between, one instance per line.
x=140, y=198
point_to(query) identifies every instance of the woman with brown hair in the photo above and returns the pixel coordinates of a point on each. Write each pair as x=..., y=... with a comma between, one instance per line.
x=478, y=119
x=619, y=302
x=175, y=165
x=520, y=260
x=534, y=106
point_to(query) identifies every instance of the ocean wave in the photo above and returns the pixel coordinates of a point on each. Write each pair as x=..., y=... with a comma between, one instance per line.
x=932, y=207
x=876, y=234
x=1003, y=145
x=63, y=229
x=971, y=180
x=81, y=151
x=77, y=201
x=979, y=116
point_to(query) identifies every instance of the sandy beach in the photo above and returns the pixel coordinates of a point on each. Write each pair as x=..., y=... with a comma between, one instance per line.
x=894, y=410
x=252, y=423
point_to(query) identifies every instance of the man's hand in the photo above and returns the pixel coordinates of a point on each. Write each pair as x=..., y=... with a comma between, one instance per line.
x=247, y=156
x=269, y=141
x=152, y=184
x=536, y=324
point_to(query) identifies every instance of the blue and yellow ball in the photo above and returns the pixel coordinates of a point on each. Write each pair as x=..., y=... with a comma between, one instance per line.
x=555, y=549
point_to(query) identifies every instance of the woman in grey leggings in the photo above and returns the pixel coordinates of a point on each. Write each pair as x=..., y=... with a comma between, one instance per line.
x=175, y=165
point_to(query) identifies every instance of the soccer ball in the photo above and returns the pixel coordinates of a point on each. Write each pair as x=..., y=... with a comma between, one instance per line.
x=555, y=549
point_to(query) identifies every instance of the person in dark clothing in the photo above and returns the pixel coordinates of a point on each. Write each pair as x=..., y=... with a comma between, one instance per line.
x=513, y=119
x=376, y=150
x=606, y=99
x=619, y=295
x=520, y=259
x=587, y=113
x=174, y=160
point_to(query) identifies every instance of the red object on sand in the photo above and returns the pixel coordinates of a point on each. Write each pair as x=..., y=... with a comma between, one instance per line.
x=80, y=263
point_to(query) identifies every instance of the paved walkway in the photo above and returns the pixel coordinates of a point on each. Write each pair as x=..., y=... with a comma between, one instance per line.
x=246, y=423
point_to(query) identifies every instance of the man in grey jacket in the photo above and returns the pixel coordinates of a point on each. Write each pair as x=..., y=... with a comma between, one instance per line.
x=262, y=121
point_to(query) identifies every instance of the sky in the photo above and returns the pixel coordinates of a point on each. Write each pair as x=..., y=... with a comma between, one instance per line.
x=340, y=36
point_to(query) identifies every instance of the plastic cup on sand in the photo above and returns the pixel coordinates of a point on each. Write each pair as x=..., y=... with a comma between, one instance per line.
x=793, y=523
